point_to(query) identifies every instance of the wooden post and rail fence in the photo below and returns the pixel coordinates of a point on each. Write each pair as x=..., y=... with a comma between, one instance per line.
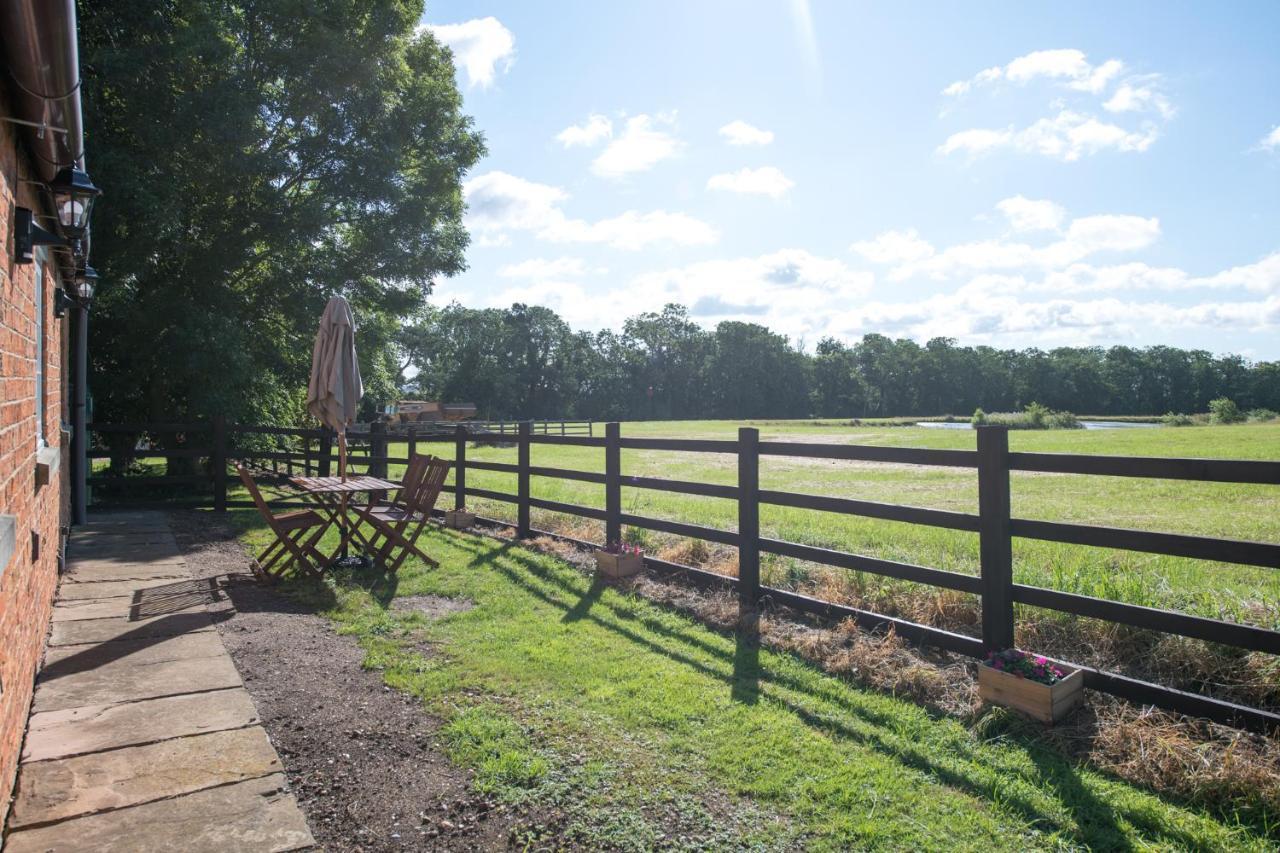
x=311, y=451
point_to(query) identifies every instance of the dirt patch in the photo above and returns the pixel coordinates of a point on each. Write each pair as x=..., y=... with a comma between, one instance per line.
x=362, y=759
x=431, y=606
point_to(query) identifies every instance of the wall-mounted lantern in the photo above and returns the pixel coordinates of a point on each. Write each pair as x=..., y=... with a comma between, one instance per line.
x=73, y=198
x=86, y=283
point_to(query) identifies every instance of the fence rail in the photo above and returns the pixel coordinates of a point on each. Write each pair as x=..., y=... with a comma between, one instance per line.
x=312, y=451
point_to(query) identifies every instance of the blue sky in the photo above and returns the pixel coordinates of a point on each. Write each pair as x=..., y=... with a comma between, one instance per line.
x=1016, y=175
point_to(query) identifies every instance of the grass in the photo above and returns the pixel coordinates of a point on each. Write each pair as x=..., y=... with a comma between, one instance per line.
x=1214, y=509
x=628, y=726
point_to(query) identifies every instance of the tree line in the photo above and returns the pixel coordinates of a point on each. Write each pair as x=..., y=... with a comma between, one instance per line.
x=526, y=362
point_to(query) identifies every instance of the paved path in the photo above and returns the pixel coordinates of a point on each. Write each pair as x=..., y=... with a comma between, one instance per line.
x=142, y=736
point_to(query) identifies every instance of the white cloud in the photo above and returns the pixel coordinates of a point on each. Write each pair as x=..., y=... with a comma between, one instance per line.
x=799, y=294
x=1260, y=277
x=595, y=129
x=988, y=310
x=976, y=141
x=633, y=230
x=738, y=132
x=498, y=203
x=480, y=47
x=641, y=145
x=1026, y=214
x=543, y=268
x=1067, y=65
x=894, y=248
x=1134, y=97
x=1271, y=141
x=789, y=291
x=767, y=180
x=1073, y=132
x=907, y=254
x=1067, y=136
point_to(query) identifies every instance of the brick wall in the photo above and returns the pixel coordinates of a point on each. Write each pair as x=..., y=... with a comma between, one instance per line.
x=26, y=585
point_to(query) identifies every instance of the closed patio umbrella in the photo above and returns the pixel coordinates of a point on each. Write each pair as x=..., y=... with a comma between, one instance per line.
x=335, y=389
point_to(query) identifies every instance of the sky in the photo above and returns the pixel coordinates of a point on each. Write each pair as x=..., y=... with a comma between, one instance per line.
x=1007, y=174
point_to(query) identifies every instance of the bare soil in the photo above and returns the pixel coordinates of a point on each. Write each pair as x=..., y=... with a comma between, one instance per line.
x=363, y=760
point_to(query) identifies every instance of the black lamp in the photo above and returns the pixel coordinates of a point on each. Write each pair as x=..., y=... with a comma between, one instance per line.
x=73, y=198
x=86, y=283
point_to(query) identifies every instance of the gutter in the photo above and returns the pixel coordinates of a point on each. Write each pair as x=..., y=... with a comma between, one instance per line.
x=42, y=56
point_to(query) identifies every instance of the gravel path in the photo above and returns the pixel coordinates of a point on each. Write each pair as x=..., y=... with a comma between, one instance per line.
x=362, y=759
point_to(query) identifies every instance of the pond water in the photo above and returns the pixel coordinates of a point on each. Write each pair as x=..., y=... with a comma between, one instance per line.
x=1085, y=424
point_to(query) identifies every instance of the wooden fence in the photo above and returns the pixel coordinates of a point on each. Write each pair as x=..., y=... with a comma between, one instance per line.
x=993, y=523
x=544, y=427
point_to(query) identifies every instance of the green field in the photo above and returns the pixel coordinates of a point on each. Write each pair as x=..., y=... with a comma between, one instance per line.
x=617, y=724
x=1247, y=512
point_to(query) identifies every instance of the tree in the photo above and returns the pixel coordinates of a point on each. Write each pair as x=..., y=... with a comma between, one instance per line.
x=839, y=390
x=757, y=374
x=258, y=157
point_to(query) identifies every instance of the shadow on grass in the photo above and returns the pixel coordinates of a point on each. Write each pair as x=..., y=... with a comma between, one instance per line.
x=1095, y=822
x=746, y=659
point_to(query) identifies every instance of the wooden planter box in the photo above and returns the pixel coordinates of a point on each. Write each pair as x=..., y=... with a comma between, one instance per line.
x=1047, y=703
x=618, y=565
x=459, y=519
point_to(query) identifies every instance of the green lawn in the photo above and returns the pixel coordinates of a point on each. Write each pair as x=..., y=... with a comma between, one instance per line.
x=1214, y=509
x=643, y=730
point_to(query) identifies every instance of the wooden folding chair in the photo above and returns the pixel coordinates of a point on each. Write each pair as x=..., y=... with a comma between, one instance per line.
x=400, y=524
x=292, y=544
x=409, y=483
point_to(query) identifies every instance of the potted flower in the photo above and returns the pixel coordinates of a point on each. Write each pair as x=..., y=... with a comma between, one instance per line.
x=619, y=560
x=1031, y=684
x=459, y=519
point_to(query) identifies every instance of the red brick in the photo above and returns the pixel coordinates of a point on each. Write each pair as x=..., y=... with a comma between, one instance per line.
x=26, y=588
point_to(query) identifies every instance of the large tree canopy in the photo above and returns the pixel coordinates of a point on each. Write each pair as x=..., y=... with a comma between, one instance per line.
x=257, y=158
x=526, y=362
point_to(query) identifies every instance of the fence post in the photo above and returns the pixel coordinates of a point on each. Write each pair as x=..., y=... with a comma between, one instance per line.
x=612, y=483
x=378, y=449
x=460, y=467
x=326, y=451
x=995, y=537
x=219, y=462
x=748, y=518
x=411, y=443
x=523, y=433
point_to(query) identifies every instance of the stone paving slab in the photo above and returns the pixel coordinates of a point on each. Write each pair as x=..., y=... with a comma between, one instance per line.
x=97, y=529
x=257, y=815
x=104, y=563
x=67, y=662
x=142, y=736
x=91, y=728
x=126, y=683
x=149, y=552
x=92, y=532
x=123, y=608
x=79, y=631
x=154, y=587
x=69, y=787
x=79, y=573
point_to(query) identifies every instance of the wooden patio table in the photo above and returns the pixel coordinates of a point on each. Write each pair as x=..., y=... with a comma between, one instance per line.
x=331, y=497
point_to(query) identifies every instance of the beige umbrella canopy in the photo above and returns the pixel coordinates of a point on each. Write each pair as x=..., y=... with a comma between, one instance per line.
x=335, y=389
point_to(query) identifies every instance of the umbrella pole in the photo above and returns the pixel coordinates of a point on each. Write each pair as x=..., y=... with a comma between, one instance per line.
x=342, y=472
